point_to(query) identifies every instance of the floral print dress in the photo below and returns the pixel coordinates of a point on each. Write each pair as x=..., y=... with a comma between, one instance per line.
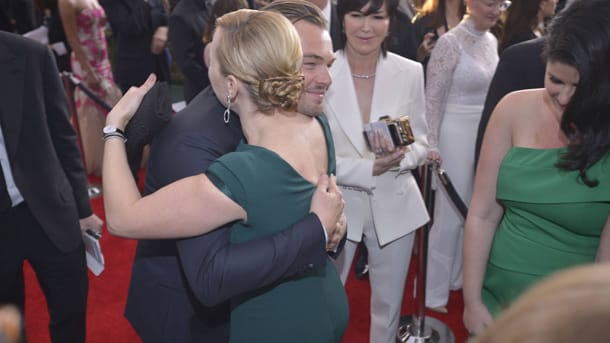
x=91, y=117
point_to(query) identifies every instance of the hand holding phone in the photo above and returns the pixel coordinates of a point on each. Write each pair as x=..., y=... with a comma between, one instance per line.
x=425, y=48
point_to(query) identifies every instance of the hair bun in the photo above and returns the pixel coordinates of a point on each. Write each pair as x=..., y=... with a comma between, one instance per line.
x=282, y=91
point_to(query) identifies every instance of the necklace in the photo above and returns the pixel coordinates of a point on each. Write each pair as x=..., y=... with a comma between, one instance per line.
x=363, y=76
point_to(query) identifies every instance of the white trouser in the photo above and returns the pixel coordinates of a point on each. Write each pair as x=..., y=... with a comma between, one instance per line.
x=388, y=267
x=458, y=134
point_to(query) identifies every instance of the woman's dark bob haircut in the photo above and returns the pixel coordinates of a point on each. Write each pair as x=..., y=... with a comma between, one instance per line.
x=346, y=6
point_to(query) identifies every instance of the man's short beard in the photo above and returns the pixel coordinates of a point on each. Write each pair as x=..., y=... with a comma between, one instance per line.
x=303, y=109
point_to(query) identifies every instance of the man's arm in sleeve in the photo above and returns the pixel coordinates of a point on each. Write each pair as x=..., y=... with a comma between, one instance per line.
x=217, y=269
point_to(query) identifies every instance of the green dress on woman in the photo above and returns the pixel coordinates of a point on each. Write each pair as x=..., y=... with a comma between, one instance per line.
x=310, y=307
x=551, y=221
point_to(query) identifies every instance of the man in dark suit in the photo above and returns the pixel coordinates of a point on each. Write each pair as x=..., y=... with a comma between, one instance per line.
x=171, y=280
x=186, y=26
x=44, y=203
x=521, y=66
x=17, y=16
x=334, y=27
x=400, y=41
x=139, y=29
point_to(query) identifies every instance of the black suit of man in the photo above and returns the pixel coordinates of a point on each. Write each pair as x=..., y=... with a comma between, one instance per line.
x=133, y=24
x=186, y=26
x=335, y=28
x=400, y=41
x=17, y=16
x=47, y=169
x=172, y=279
x=521, y=67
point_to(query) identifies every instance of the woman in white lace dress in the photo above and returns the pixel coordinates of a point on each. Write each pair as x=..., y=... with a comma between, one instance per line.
x=459, y=72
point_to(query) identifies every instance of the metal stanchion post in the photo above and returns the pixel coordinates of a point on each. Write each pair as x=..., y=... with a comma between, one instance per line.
x=417, y=327
x=94, y=190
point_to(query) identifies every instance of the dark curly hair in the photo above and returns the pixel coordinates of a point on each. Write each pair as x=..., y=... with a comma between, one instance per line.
x=580, y=37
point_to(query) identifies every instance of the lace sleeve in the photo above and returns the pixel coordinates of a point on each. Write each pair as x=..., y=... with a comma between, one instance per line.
x=444, y=58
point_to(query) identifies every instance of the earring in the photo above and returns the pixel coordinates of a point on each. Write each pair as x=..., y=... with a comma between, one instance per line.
x=227, y=113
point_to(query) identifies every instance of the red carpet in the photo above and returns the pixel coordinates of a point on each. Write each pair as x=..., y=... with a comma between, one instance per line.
x=105, y=321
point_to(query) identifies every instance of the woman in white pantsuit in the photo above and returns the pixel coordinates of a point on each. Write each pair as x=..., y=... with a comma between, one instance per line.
x=383, y=202
x=459, y=72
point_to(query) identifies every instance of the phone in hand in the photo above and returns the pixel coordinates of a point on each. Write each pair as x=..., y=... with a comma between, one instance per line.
x=434, y=37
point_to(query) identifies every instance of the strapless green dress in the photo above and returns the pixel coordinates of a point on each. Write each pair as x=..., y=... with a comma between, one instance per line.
x=310, y=307
x=551, y=221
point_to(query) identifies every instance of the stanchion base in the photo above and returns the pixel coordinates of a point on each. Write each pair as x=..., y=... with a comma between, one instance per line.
x=435, y=331
x=94, y=191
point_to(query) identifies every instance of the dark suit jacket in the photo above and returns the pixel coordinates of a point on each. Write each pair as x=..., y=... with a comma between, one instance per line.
x=21, y=11
x=56, y=35
x=187, y=24
x=518, y=38
x=335, y=28
x=171, y=280
x=401, y=42
x=40, y=140
x=521, y=67
x=133, y=24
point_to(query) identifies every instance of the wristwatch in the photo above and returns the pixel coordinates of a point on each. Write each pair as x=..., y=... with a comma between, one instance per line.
x=108, y=129
x=113, y=131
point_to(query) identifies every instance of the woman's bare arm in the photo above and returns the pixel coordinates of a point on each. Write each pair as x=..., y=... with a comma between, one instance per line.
x=603, y=251
x=484, y=215
x=185, y=208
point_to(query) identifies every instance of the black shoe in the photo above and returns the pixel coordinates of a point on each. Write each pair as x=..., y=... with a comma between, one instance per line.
x=362, y=265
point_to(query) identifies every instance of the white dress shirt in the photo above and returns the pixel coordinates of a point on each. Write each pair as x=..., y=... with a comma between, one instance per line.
x=13, y=191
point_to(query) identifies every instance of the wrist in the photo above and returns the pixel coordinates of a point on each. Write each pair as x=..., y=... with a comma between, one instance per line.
x=315, y=218
x=472, y=301
x=111, y=120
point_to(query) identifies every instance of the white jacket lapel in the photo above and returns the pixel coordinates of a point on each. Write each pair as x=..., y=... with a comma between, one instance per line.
x=345, y=104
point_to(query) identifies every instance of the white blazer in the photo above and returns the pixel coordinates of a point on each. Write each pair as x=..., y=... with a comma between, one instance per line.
x=393, y=197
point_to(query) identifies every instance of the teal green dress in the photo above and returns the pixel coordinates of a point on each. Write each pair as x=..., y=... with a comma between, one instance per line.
x=551, y=221
x=311, y=307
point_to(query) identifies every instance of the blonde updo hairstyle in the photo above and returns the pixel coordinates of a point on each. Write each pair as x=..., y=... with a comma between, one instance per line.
x=262, y=49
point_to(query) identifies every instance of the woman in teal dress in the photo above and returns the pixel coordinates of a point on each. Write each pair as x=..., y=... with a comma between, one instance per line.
x=542, y=190
x=263, y=187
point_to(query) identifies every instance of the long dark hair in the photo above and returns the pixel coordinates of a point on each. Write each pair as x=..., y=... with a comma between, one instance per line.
x=521, y=17
x=580, y=37
x=346, y=6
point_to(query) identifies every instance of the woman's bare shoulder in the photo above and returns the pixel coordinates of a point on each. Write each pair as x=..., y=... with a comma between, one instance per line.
x=520, y=104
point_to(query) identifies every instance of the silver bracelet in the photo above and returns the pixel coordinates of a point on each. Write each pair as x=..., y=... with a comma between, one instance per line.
x=115, y=134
